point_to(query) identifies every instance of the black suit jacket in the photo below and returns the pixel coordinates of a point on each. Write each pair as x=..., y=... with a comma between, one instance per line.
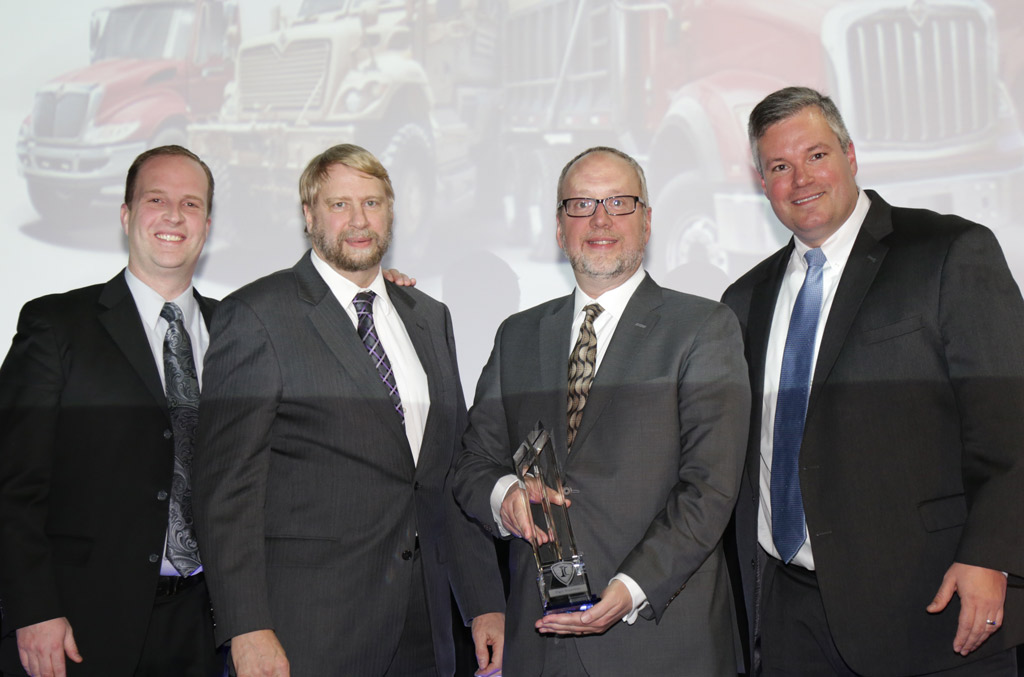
x=654, y=468
x=913, y=448
x=307, y=500
x=86, y=460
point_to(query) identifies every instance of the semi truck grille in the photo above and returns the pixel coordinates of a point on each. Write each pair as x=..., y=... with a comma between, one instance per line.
x=59, y=115
x=919, y=76
x=289, y=79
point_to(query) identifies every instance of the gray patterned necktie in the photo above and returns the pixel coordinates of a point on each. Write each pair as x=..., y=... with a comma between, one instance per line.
x=582, y=365
x=182, y=388
x=363, y=302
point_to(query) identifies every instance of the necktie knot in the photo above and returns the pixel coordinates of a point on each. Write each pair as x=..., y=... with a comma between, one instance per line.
x=815, y=258
x=172, y=313
x=592, y=311
x=363, y=302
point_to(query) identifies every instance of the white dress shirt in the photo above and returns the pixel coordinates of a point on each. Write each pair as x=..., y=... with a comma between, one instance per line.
x=405, y=363
x=614, y=303
x=837, y=251
x=149, y=303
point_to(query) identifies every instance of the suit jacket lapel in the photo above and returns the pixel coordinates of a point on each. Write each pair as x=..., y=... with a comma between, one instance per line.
x=638, y=319
x=334, y=327
x=759, y=326
x=554, y=334
x=429, y=353
x=120, y=317
x=865, y=259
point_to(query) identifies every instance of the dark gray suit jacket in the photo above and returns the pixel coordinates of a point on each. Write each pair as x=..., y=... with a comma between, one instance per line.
x=306, y=496
x=656, y=465
x=912, y=454
x=86, y=461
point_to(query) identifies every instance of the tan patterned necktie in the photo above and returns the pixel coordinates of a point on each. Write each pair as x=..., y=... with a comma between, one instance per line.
x=582, y=364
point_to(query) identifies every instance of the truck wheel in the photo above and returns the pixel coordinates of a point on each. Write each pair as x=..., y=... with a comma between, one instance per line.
x=684, y=249
x=409, y=159
x=57, y=205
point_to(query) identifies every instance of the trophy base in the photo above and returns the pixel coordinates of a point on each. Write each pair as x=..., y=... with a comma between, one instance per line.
x=571, y=606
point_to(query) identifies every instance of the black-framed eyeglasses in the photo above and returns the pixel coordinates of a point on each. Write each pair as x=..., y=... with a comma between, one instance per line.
x=616, y=205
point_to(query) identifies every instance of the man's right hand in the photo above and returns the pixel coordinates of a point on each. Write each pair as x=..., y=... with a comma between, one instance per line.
x=42, y=646
x=515, y=515
x=259, y=654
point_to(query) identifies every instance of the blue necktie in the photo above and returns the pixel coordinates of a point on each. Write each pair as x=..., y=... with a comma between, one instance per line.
x=791, y=410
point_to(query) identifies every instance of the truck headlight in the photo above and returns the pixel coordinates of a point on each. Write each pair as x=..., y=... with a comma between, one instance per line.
x=103, y=134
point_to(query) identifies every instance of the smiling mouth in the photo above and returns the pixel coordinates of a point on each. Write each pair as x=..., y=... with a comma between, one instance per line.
x=168, y=237
x=601, y=242
x=805, y=200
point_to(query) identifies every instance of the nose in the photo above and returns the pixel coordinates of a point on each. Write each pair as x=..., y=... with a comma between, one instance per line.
x=175, y=214
x=601, y=218
x=801, y=176
x=359, y=216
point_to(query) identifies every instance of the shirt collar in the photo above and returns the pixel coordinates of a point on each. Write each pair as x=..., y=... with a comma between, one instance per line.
x=150, y=303
x=614, y=300
x=345, y=290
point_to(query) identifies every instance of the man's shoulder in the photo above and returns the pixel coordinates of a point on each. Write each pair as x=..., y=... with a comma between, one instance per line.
x=67, y=305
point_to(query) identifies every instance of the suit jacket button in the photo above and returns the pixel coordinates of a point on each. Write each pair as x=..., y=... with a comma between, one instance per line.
x=416, y=486
x=407, y=555
x=161, y=495
x=154, y=558
x=168, y=434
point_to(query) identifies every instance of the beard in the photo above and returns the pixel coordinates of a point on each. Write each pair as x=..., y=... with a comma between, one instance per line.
x=334, y=253
x=602, y=267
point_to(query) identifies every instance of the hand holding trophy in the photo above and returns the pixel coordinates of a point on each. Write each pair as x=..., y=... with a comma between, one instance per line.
x=543, y=517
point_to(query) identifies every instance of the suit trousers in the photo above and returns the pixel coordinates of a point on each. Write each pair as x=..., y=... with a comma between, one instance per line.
x=796, y=640
x=415, y=654
x=561, y=658
x=179, y=639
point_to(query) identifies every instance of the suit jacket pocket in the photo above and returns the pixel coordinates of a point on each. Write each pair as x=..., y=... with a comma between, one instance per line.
x=943, y=513
x=316, y=553
x=890, y=331
x=73, y=550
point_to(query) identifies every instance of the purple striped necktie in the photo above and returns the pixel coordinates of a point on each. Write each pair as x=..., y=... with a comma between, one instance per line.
x=363, y=302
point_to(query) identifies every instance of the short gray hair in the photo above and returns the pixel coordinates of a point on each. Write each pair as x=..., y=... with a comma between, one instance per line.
x=613, y=151
x=784, y=104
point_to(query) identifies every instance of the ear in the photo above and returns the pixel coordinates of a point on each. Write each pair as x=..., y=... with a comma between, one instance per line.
x=308, y=216
x=559, y=235
x=125, y=216
x=647, y=225
x=851, y=155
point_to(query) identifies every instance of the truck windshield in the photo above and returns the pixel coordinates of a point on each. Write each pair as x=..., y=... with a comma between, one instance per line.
x=145, y=32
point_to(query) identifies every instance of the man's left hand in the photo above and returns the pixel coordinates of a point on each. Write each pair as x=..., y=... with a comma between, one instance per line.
x=398, y=277
x=489, y=640
x=615, y=603
x=982, y=592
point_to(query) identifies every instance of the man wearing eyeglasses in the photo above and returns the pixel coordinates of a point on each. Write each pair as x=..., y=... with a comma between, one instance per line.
x=651, y=453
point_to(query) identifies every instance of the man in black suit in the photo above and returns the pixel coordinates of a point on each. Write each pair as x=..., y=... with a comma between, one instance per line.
x=330, y=422
x=882, y=504
x=87, y=454
x=653, y=458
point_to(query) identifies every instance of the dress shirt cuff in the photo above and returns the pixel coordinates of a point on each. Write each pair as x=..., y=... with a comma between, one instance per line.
x=639, y=598
x=498, y=493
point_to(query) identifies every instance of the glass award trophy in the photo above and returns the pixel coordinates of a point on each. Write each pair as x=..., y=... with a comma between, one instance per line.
x=561, y=575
